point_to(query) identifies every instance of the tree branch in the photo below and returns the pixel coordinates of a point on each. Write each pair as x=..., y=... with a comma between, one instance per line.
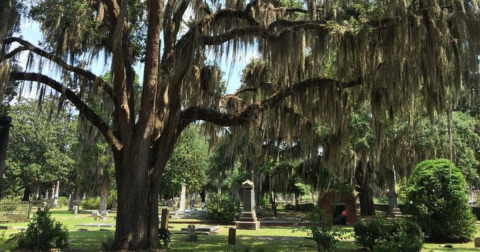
x=258, y=31
x=82, y=107
x=149, y=92
x=30, y=47
x=225, y=119
x=253, y=89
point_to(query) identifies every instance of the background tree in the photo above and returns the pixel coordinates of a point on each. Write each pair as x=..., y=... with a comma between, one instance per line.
x=388, y=52
x=188, y=163
x=40, y=145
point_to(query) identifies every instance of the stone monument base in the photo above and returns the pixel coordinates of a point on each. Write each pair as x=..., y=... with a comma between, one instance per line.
x=395, y=213
x=248, y=225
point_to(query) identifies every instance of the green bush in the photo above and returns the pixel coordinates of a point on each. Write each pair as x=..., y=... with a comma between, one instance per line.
x=437, y=192
x=306, y=207
x=382, y=235
x=63, y=201
x=43, y=233
x=222, y=208
x=91, y=203
x=322, y=231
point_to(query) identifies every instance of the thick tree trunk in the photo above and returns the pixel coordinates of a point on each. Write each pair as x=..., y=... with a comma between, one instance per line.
x=367, y=208
x=137, y=212
x=138, y=187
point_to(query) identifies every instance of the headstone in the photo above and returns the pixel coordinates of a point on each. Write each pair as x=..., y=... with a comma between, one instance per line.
x=104, y=215
x=191, y=235
x=231, y=236
x=182, y=196
x=57, y=189
x=201, y=214
x=30, y=205
x=75, y=210
x=192, y=204
x=37, y=193
x=164, y=221
x=248, y=218
x=476, y=241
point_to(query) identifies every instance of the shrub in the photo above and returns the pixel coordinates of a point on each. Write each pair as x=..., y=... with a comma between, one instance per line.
x=439, y=203
x=321, y=230
x=108, y=244
x=63, y=201
x=382, y=235
x=91, y=203
x=306, y=207
x=43, y=233
x=222, y=208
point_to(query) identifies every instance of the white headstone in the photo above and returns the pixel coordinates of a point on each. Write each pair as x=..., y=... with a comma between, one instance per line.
x=57, y=188
x=182, y=196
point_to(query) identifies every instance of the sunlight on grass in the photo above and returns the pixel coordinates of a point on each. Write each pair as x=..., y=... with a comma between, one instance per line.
x=266, y=239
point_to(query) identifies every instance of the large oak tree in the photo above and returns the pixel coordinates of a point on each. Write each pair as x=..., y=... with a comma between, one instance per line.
x=324, y=58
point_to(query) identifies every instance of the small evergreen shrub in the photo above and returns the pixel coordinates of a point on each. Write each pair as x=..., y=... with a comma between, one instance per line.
x=437, y=190
x=43, y=233
x=382, y=235
x=222, y=208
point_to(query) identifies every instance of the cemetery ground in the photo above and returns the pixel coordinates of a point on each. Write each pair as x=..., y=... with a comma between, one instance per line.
x=276, y=238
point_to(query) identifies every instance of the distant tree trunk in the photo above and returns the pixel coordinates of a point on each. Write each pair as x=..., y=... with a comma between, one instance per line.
x=203, y=195
x=273, y=202
x=367, y=208
x=5, y=124
x=104, y=191
x=295, y=195
x=26, y=193
x=76, y=194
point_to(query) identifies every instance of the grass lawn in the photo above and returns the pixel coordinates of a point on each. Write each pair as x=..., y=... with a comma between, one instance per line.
x=266, y=239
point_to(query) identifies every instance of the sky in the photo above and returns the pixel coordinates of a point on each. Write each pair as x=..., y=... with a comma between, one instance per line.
x=31, y=32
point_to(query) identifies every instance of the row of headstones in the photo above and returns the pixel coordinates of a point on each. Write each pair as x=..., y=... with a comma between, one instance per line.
x=51, y=197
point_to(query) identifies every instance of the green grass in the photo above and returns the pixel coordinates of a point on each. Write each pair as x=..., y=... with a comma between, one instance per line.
x=265, y=239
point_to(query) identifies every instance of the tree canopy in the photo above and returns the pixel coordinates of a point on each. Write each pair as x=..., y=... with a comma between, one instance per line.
x=40, y=149
x=323, y=57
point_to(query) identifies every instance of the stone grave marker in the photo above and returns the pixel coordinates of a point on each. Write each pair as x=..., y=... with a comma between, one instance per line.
x=231, y=236
x=248, y=218
x=182, y=197
x=191, y=235
x=476, y=241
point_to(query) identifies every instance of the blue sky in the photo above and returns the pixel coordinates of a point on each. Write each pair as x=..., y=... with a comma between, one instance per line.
x=31, y=32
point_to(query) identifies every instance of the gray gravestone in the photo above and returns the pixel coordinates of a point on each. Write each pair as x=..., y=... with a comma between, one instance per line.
x=248, y=218
x=191, y=235
x=477, y=242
